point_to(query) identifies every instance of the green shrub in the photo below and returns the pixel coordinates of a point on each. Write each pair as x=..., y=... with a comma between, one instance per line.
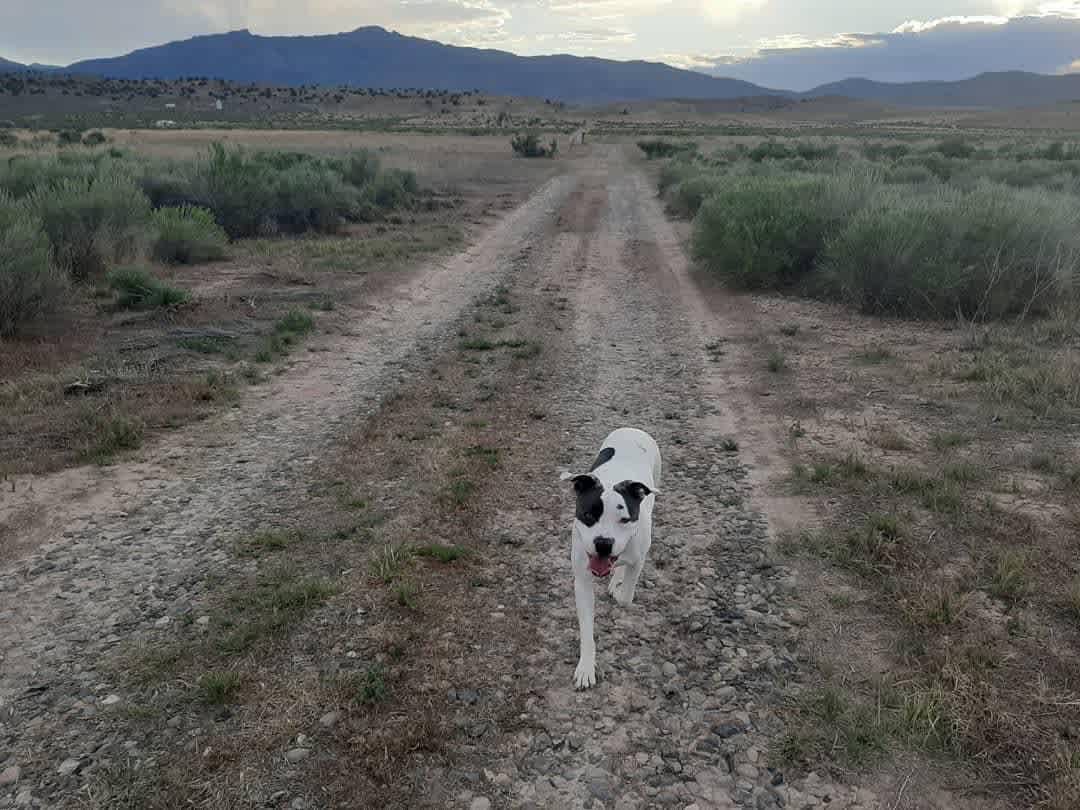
x=93, y=138
x=528, y=145
x=29, y=283
x=69, y=137
x=137, y=289
x=94, y=223
x=360, y=168
x=686, y=198
x=808, y=150
x=770, y=150
x=8, y=140
x=766, y=232
x=395, y=188
x=676, y=171
x=989, y=253
x=883, y=151
x=187, y=235
x=239, y=190
x=659, y=148
x=955, y=147
x=312, y=197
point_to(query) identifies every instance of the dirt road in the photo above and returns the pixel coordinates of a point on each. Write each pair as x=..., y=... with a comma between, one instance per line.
x=694, y=675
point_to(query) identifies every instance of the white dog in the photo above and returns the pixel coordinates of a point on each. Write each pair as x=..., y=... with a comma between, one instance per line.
x=612, y=529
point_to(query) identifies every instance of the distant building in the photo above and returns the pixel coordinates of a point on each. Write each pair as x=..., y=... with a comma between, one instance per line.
x=219, y=105
x=170, y=106
x=164, y=124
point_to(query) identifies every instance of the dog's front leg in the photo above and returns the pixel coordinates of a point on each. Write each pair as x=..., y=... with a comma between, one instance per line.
x=624, y=594
x=585, y=675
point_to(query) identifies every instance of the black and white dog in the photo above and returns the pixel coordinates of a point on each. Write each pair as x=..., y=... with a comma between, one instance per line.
x=612, y=529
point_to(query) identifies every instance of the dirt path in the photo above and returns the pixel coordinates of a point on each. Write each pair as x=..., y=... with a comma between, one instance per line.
x=694, y=674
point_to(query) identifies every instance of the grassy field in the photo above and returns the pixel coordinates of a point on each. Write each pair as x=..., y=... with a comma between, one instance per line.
x=917, y=333
x=149, y=279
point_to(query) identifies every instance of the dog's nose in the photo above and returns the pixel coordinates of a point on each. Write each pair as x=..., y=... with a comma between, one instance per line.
x=603, y=546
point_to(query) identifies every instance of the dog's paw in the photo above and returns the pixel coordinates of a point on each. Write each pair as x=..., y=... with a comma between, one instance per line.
x=616, y=584
x=585, y=675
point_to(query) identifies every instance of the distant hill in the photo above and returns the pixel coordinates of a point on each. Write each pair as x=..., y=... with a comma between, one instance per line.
x=7, y=66
x=1005, y=89
x=374, y=57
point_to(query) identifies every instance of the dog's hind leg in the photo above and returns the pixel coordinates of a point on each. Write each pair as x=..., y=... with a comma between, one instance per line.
x=585, y=674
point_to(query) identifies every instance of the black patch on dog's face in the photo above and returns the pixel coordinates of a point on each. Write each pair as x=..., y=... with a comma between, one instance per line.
x=605, y=455
x=633, y=492
x=590, y=502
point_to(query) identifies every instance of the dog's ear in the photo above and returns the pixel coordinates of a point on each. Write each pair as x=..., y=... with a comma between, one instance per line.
x=636, y=489
x=583, y=482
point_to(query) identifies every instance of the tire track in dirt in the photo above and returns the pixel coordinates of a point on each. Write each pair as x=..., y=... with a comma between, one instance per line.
x=695, y=674
x=124, y=561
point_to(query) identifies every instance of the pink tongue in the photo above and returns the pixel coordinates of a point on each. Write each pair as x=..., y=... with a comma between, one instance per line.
x=601, y=567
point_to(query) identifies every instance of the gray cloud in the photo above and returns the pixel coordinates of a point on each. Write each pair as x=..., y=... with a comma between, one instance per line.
x=950, y=50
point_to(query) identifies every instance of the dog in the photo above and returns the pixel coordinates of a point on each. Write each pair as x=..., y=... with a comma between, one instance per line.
x=612, y=529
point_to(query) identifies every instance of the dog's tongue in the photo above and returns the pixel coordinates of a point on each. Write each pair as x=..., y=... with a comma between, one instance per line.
x=600, y=566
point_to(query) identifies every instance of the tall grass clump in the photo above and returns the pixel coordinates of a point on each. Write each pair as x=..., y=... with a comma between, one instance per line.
x=766, y=232
x=989, y=253
x=30, y=284
x=187, y=235
x=659, y=148
x=136, y=288
x=93, y=223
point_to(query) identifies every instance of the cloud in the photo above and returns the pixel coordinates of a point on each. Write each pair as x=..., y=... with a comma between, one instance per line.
x=945, y=48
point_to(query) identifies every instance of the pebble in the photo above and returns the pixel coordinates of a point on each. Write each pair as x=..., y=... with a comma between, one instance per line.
x=329, y=719
x=669, y=669
x=295, y=755
x=10, y=775
x=68, y=767
x=480, y=803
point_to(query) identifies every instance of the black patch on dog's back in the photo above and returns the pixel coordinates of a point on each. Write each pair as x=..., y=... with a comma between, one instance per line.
x=590, y=503
x=633, y=492
x=603, y=457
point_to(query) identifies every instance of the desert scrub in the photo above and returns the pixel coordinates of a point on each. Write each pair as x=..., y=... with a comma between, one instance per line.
x=92, y=224
x=989, y=253
x=136, y=288
x=187, y=235
x=766, y=232
x=29, y=283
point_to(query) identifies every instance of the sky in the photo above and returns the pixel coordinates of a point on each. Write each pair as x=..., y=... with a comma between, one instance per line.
x=791, y=44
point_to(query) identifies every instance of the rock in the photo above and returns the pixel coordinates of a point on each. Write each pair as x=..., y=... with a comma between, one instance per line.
x=24, y=799
x=329, y=719
x=111, y=700
x=725, y=730
x=9, y=776
x=68, y=767
x=296, y=755
x=480, y=803
x=747, y=770
x=164, y=621
x=502, y=780
x=299, y=804
x=669, y=669
x=203, y=620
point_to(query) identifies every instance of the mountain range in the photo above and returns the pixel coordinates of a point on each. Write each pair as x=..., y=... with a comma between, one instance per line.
x=374, y=57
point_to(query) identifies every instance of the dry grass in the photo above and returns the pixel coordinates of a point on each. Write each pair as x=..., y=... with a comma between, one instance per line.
x=93, y=383
x=950, y=509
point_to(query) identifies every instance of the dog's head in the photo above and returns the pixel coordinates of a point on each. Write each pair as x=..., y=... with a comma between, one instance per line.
x=607, y=517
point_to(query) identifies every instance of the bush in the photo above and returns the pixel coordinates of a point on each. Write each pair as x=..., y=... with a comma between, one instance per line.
x=138, y=289
x=395, y=189
x=675, y=172
x=658, y=148
x=92, y=224
x=312, y=197
x=686, y=198
x=985, y=254
x=955, y=147
x=29, y=283
x=69, y=137
x=769, y=150
x=93, y=138
x=8, y=140
x=187, y=235
x=528, y=145
x=765, y=232
x=240, y=191
x=814, y=151
x=360, y=168
x=882, y=151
